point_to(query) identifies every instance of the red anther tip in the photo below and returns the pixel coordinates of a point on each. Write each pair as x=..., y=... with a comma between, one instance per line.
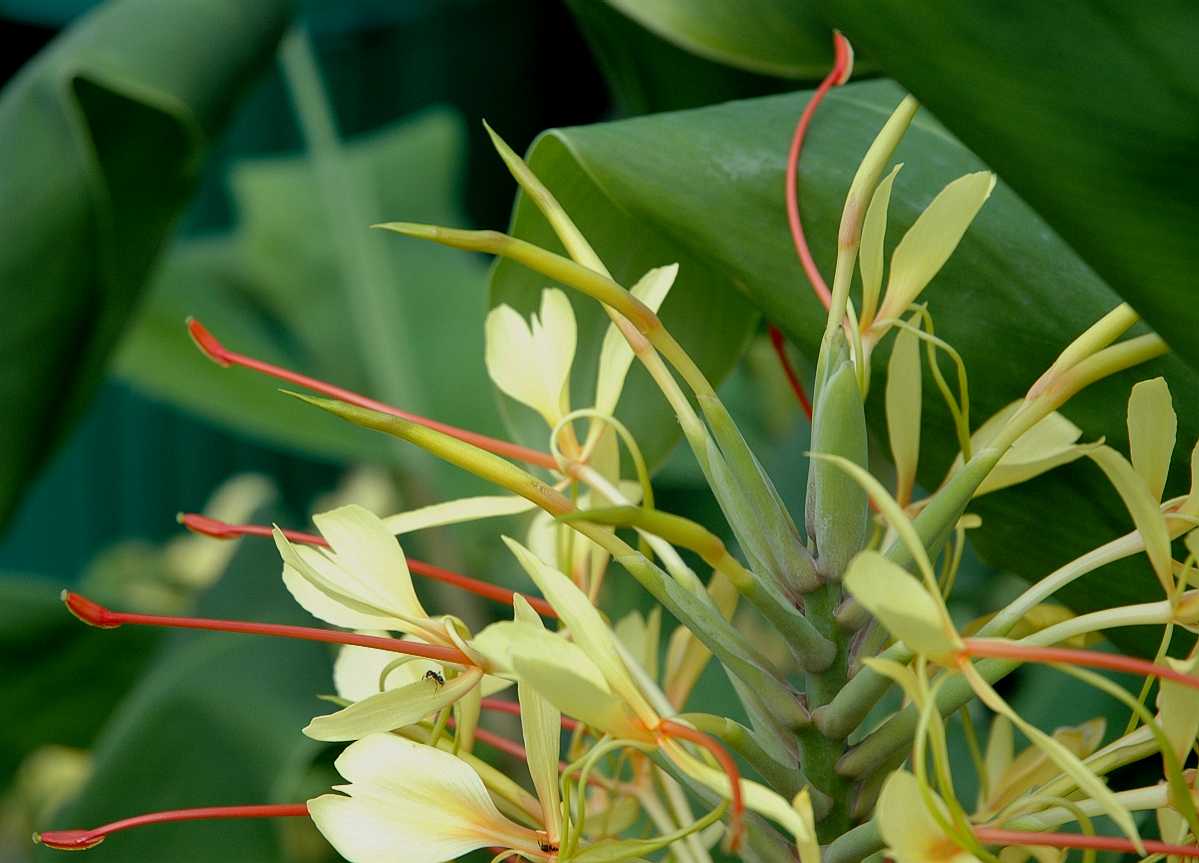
x=68, y=840
x=91, y=613
x=206, y=526
x=207, y=343
x=843, y=58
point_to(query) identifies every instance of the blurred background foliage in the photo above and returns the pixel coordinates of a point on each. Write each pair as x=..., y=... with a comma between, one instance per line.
x=223, y=160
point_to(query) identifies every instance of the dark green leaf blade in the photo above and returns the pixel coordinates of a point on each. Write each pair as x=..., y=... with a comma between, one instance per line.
x=705, y=187
x=1090, y=112
x=101, y=141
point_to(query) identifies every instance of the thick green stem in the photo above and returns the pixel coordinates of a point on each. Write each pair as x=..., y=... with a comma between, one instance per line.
x=819, y=754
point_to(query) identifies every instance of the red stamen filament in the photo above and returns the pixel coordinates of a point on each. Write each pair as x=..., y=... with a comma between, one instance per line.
x=993, y=836
x=511, y=747
x=97, y=615
x=997, y=649
x=221, y=530
x=839, y=74
x=79, y=840
x=777, y=340
x=499, y=705
x=219, y=354
x=670, y=728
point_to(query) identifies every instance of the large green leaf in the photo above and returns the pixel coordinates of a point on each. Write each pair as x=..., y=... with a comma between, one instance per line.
x=101, y=141
x=705, y=188
x=1090, y=111
x=215, y=722
x=278, y=289
x=772, y=37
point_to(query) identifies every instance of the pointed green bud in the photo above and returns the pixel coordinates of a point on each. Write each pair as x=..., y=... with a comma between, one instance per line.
x=836, y=503
x=556, y=267
x=572, y=238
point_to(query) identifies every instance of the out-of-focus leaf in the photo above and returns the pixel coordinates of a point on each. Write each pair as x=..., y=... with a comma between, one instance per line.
x=101, y=141
x=275, y=290
x=772, y=37
x=1090, y=112
x=61, y=679
x=215, y=722
x=705, y=188
x=646, y=72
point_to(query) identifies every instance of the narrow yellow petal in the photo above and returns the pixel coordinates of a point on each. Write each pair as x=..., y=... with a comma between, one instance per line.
x=902, y=604
x=616, y=356
x=1144, y=510
x=457, y=511
x=903, y=399
x=541, y=726
x=1049, y=443
x=587, y=628
x=871, y=253
x=1152, y=430
x=928, y=244
x=368, y=552
x=395, y=708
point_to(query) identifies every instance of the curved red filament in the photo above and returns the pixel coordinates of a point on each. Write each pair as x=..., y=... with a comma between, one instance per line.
x=222, y=356
x=778, y=342
x=999, y=649
x=672, y=729
x=202, y=524
x=80, y=840
x=94, y=614
x=839, y=74
x=993, y=836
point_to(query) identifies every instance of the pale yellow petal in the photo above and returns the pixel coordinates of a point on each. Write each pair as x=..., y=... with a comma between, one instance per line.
x=908, y=827
x=554, y=335
x=392, y=709
x=870, y=254
x=1050, y=443
x=587, y=627
x=541, y=727
x=1179, y=708
x=901, y=603
x=371, y=559
x=511, y=357
x=928, y=244
x=456, y=512
x=314, y=582
x=1144, y=510
x=1152, y=431
x=412, y=800
x=616, y=356
x=903, y=400
x=361, y=672
x=575, y=691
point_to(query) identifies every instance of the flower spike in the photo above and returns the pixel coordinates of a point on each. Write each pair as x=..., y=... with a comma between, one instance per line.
x=222, y=356
x=81, y=840
x=94, y=614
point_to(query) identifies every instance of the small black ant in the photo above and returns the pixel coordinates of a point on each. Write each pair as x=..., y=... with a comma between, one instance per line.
x=435, y=677
x=547, y=847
